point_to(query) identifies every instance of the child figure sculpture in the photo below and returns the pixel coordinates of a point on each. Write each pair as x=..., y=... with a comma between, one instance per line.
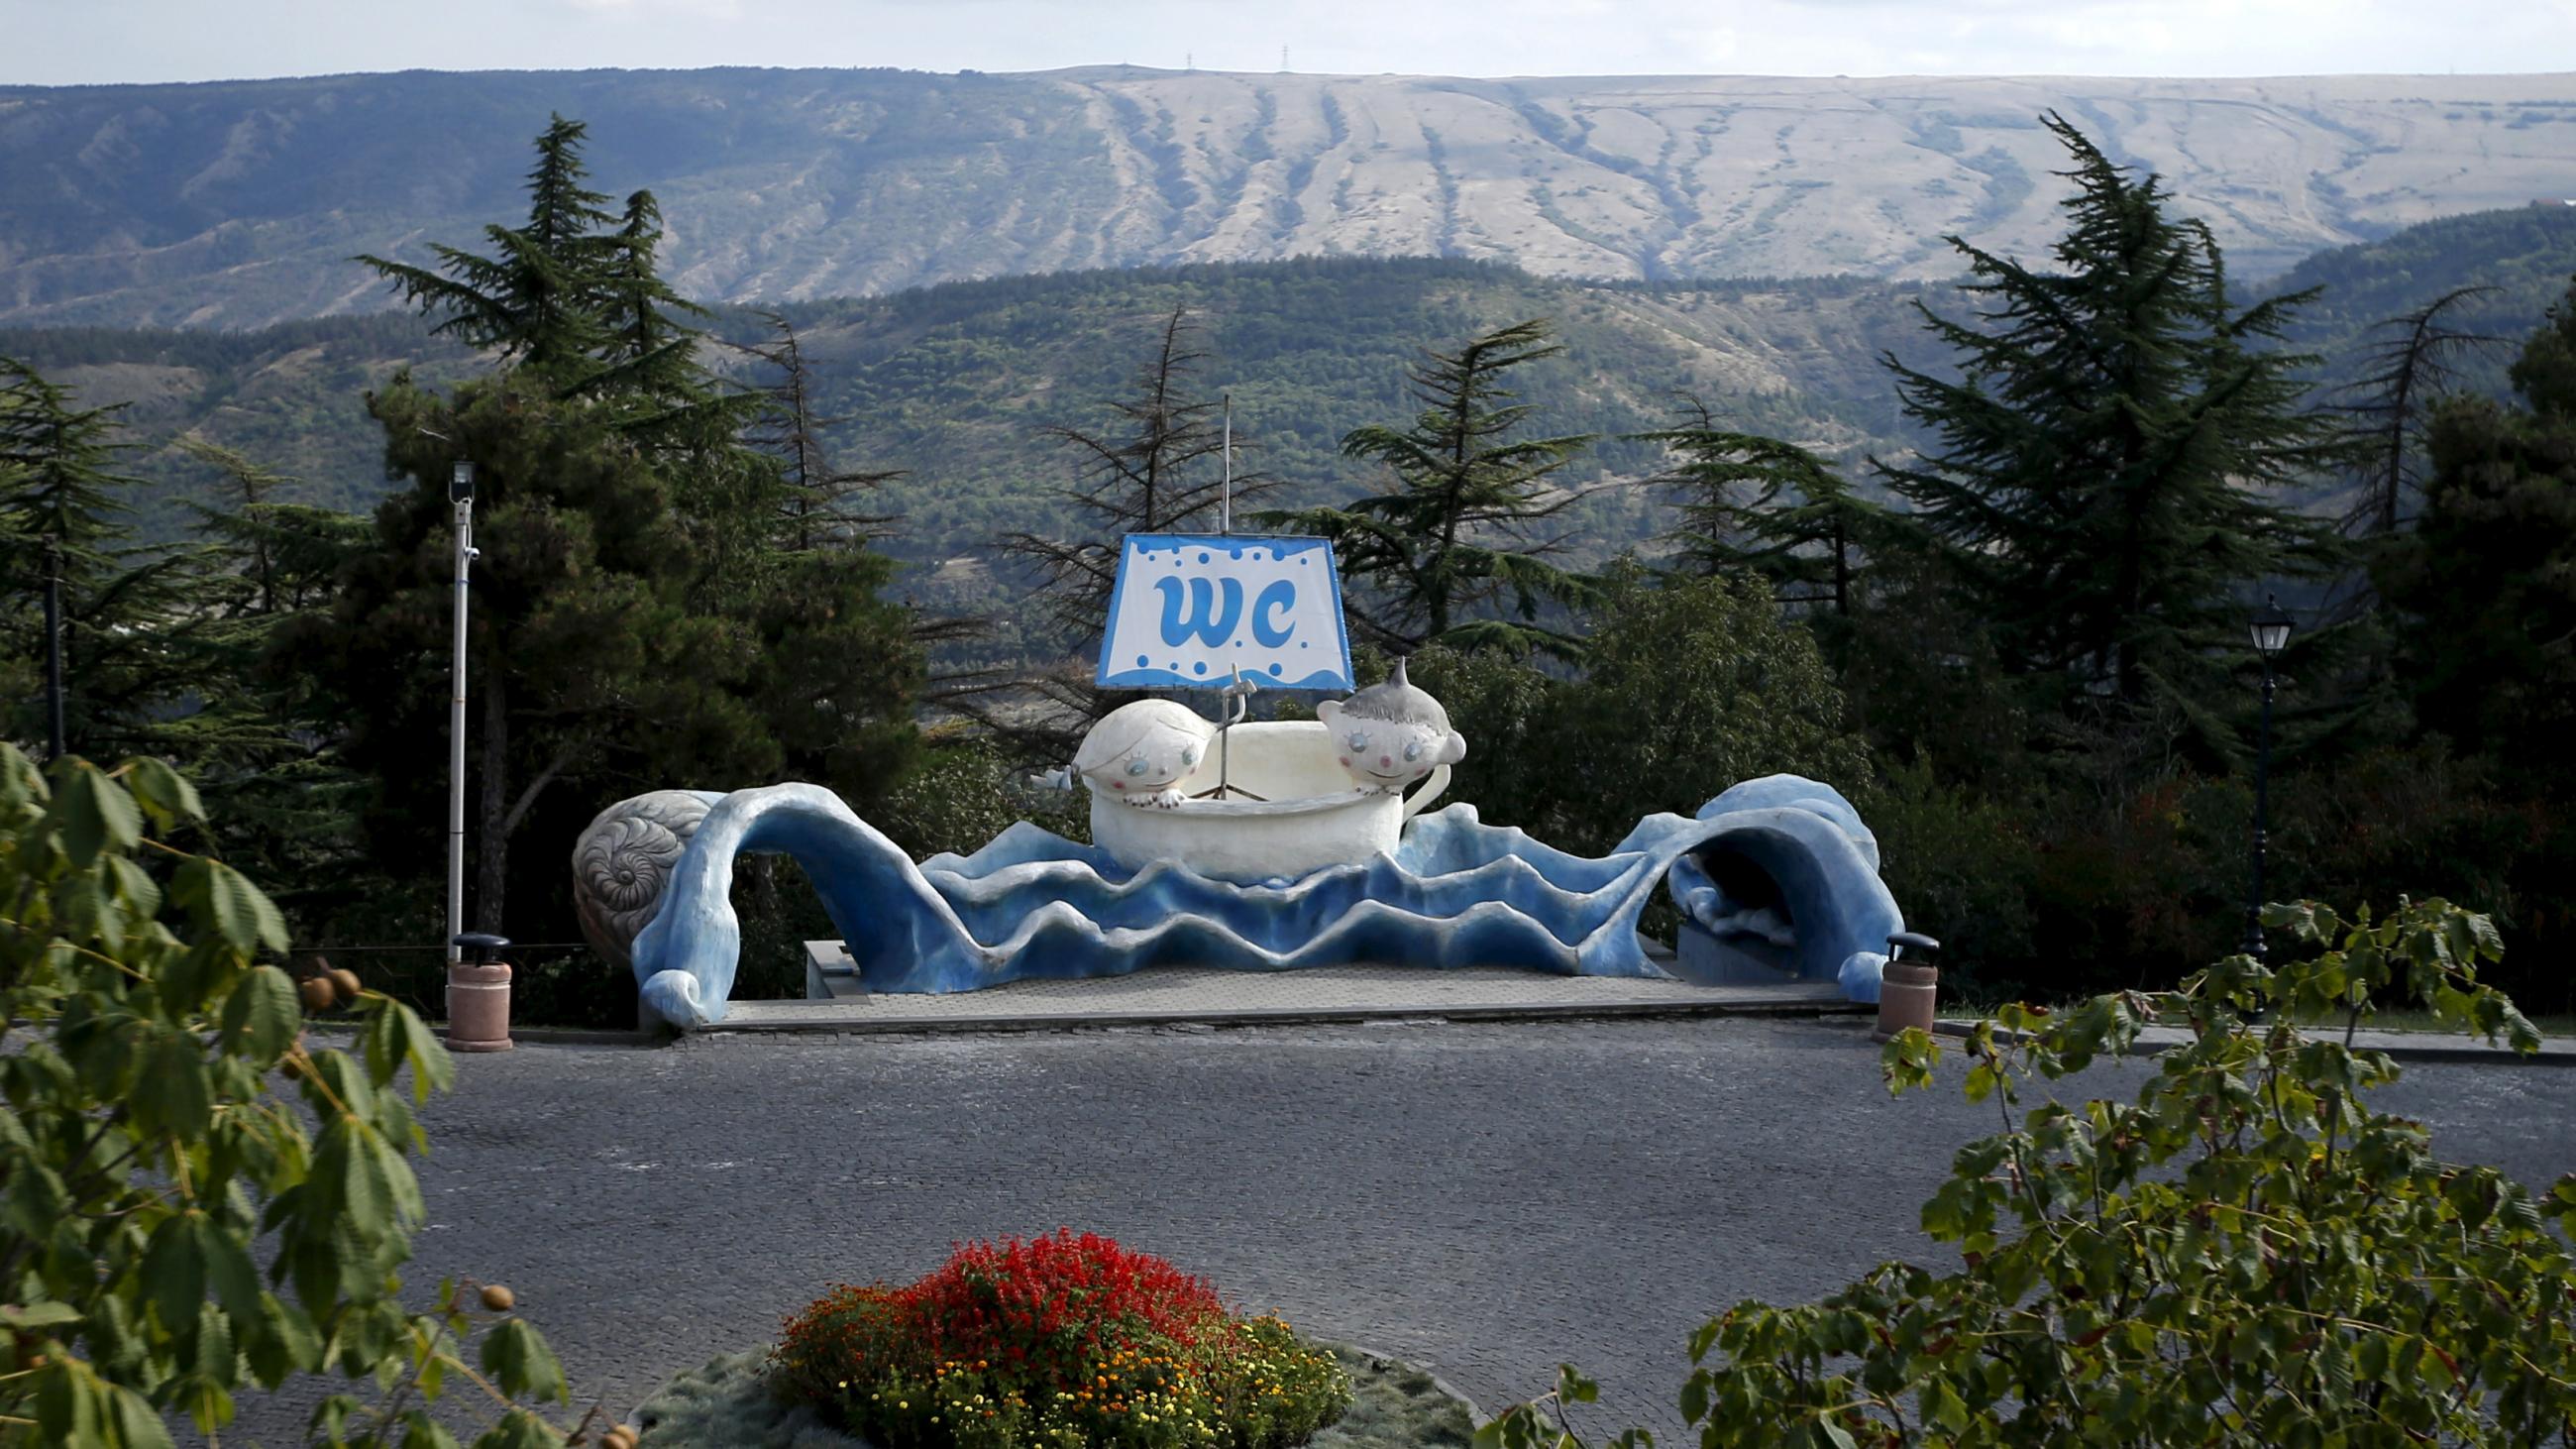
x=1390, y=735
x=1138, y=751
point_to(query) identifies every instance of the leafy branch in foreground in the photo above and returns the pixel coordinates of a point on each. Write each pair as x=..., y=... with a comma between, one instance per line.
x=2248, y=1253
x=167, y=1125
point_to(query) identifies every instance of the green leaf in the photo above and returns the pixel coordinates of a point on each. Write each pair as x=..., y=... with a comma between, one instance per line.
x=93, y=813
x=1835, y=1435
x=37, y=1315
x=219, y=898
x=88, y=913
x=142, y=893
x=172, y=1094
x=262, y=1015
x=1695, y=1398
x=67, y=1403
x=230, y=1272
x=138, y=1424
x=518, y=1429
x=285, y=1344
x=432, y=1069
x=420, y=1431
x=517, y=1357
x=163, y=791
x=174, y=1272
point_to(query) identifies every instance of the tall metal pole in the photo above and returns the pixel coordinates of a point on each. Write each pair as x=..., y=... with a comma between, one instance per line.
x=1225, y=498
x=2254, y=946
x=53, y=648
x=456, y=741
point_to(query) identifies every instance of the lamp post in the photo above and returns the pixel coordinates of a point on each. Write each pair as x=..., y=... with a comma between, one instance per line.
x=460, y=491
x=2271, y=632
x=53, y=648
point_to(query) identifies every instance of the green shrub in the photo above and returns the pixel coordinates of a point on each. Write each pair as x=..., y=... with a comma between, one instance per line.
x=964, y=793
x=2387, y=818
x=1685, y=690
x=1060, y=1341
x=1962, y=866
x=168, y=1129
x=2247, y=1254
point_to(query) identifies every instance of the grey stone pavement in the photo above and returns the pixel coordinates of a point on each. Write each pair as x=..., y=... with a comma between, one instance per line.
x=1485, y=1199
x=1314, y=993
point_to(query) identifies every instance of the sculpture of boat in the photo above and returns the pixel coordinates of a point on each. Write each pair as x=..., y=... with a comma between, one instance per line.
x=1288, y=809
x=1248, y=845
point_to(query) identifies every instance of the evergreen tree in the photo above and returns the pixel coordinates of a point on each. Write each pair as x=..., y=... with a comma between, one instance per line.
x=642, y=612
x=816, y=510
x=2484, y=587
x=1159, y=467
x=647, y=348
x=586, y=663
x=125, y=607
x=259, y=739
x=539, y=299
x=2409, y=367
x=1156, y=469
x=2099, y=477
x=1460, y=534
x=1757, y=505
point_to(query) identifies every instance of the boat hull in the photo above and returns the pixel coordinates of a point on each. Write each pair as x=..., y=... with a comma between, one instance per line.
x=1307, y=816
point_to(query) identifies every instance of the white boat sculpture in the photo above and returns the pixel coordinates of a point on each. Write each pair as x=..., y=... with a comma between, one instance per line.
x=1289, y=808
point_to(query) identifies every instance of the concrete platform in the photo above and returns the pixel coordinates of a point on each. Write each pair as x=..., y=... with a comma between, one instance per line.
x=1213, y=997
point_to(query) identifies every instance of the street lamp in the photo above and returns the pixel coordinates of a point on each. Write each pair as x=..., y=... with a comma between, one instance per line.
x=2270, y=629
x=460, y=491
x=53, y=648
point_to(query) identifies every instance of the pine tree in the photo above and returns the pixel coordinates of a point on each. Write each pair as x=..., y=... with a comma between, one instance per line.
x=258, y=740
x=1458, y=539
x=63, y=510
x=2099, y=477
x=1159, y=467
x=816, y=510
x=2484, y=587
x=538, y=300
x=647, y=349
x=2409, y=369
x=643, y=610
x=1750, y=504
x=1156, y=469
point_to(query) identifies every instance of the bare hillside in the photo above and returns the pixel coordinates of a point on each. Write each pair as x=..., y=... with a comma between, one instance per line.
x=238, y=203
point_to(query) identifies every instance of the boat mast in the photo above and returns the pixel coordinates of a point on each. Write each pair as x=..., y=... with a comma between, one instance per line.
x=1226, y=707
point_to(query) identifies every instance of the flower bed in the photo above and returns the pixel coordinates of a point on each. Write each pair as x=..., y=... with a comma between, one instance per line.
x=1056, y=1341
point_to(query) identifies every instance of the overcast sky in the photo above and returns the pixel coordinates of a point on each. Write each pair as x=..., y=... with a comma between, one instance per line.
x=67, y=41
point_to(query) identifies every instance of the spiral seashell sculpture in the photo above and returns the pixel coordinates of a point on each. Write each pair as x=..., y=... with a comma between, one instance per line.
x=622, y=864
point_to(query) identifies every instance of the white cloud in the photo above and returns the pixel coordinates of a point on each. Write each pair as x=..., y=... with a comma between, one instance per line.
x=710, y=9
x=190, y=39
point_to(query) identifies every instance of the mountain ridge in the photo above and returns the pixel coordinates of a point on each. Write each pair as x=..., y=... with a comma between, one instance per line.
x=238, y=203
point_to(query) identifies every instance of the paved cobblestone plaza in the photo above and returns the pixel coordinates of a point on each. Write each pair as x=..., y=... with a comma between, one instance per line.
x=1486, y=1200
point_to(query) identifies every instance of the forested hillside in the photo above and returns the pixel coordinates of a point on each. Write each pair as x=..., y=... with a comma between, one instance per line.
x=952, y=384
x=239, y=203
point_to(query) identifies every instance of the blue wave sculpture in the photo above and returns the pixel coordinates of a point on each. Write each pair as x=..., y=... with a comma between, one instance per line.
x=1457, y=892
